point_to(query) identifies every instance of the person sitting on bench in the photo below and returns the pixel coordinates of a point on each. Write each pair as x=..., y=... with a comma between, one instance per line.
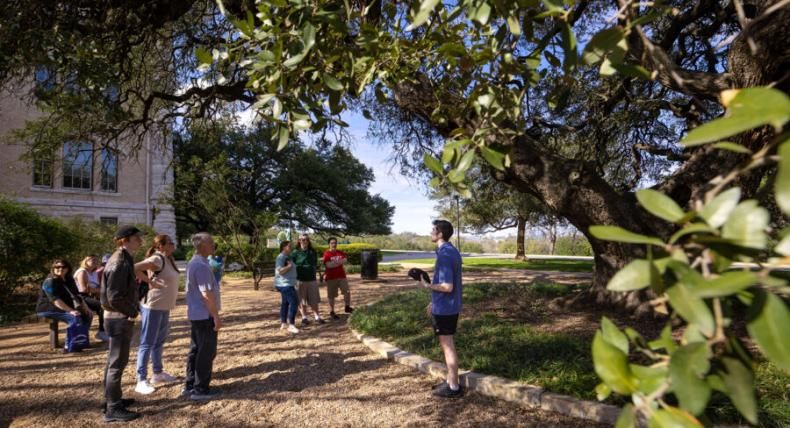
x=59, y=298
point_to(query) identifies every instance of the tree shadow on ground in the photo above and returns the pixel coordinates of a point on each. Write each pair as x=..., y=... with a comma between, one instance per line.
x=297, y=374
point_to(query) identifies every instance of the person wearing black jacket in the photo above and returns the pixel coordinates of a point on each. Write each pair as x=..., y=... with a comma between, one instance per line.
x=120, y=302
x=59, y=298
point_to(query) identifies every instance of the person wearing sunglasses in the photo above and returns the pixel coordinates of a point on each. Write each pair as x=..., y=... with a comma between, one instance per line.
x=59, y=298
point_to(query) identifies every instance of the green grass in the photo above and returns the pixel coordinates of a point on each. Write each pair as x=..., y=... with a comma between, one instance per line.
x=486, y=343
x=239, y=274
x=491, y=344
x=476, y=263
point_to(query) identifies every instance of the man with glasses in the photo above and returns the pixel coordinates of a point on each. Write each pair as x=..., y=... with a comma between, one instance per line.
x=445, y=303
x=306, y=261
x=121, y=305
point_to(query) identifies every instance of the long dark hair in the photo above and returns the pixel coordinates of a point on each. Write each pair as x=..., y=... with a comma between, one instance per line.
x=160, y=240
x=63, y=262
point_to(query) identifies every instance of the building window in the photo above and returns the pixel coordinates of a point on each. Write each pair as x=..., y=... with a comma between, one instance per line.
x=109, y=170
x=42, y=171
x=109, y=221
x=77, y=165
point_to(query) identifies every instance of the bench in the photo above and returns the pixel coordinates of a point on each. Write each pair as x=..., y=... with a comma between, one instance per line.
x=53, y=333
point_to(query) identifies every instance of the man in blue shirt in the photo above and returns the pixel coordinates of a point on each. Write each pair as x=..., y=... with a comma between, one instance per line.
x=446, y=303
x=203, y=306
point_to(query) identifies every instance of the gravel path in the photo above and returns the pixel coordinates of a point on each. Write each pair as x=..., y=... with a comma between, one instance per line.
x=320, y=377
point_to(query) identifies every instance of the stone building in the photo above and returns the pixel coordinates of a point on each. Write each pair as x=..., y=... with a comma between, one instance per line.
x=87, y=181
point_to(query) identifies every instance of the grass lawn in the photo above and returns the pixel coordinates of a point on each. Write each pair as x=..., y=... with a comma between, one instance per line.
x=493, y=263
x=509, y=330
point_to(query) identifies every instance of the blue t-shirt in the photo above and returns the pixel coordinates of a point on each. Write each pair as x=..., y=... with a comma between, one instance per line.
x=200, y=279
x=288, y=279
x=447, y=270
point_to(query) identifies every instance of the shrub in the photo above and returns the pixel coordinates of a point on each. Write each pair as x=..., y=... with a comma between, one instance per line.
x=28, y=243
x=353, y=251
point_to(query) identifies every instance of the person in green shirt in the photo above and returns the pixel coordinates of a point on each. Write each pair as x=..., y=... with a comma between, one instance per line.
x=306, y=261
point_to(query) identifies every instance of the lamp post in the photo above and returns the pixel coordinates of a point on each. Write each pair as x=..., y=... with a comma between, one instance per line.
x=458, y=221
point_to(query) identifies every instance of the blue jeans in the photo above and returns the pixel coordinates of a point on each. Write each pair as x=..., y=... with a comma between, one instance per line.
x=290, y=302
x=155, y=325
x=66, y=317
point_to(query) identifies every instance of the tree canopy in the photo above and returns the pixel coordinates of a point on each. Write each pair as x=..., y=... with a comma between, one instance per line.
x=324, y=188
x=576, y=103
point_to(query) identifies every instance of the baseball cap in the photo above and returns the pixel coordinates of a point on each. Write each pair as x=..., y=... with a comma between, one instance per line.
x=127, y=231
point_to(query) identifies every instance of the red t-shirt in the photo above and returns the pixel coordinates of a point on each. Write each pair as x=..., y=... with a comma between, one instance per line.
x=336, y=272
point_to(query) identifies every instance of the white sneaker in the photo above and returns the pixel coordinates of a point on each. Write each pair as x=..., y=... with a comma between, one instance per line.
x=160, y=378
x=292, y=328
x=283, y=326
x=102, y=336
x=143, y=387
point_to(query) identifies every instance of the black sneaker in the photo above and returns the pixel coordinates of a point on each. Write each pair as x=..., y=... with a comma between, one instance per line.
x=445, y=391
x=439, y=385
x=121, y=415
x=125, y=402
x=320, y=321
x=205, y=396
x=334, y=315
x=186, y=392
x=349, y=309
x=305, y=321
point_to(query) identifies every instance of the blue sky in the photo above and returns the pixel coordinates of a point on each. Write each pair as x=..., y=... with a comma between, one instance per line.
x=413, y=210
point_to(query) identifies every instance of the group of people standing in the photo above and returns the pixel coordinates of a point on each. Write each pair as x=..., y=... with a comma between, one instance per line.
x=295, y=271
x=112, y=292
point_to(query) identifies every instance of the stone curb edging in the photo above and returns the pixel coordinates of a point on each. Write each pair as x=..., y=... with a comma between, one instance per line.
x=498, y=387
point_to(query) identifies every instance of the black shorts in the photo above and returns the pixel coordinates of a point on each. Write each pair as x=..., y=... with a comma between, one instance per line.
x=444, y=325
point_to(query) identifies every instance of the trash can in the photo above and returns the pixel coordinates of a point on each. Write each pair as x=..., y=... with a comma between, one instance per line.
x=370, y=264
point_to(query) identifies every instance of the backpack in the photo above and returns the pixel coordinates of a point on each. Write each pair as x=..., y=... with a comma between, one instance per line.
x=143, y=287
x=77, y=336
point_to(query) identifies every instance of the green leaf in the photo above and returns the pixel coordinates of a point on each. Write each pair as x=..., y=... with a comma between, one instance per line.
x=493, y=157
x=633, y=70
x=692, y=308
x=433, y=164
x=295, y=60
x=618, y=234
x=448, y=154
x=650, y=378
x=660, y=205
x=611, y=365
x=481, y=14
x=782, y=185
x=717, y=211
x=602, y=391
x=664, y=341
x=740, y=386
x=283, y=138
x=426, y=7
x=687, y=369
x=627, y=418
x=749, y=109
x=733, y=147
x=456, y=176
x=569, y=46
x=768, y=326
x=783, y=247
x=746, y=225
x=466, y=161
x=331, y=82
x=728, y=283
x=204, y=56
x=687, y=230
x=308, y=36
x=636, y=275
x=613, y=336
x=671, y=417
x=602, y=44
x=514, y=25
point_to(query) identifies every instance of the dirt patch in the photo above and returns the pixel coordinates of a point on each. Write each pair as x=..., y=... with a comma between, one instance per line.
x=321, y=376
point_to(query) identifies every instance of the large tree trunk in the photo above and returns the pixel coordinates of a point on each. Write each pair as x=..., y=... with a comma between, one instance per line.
x=521, y=253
